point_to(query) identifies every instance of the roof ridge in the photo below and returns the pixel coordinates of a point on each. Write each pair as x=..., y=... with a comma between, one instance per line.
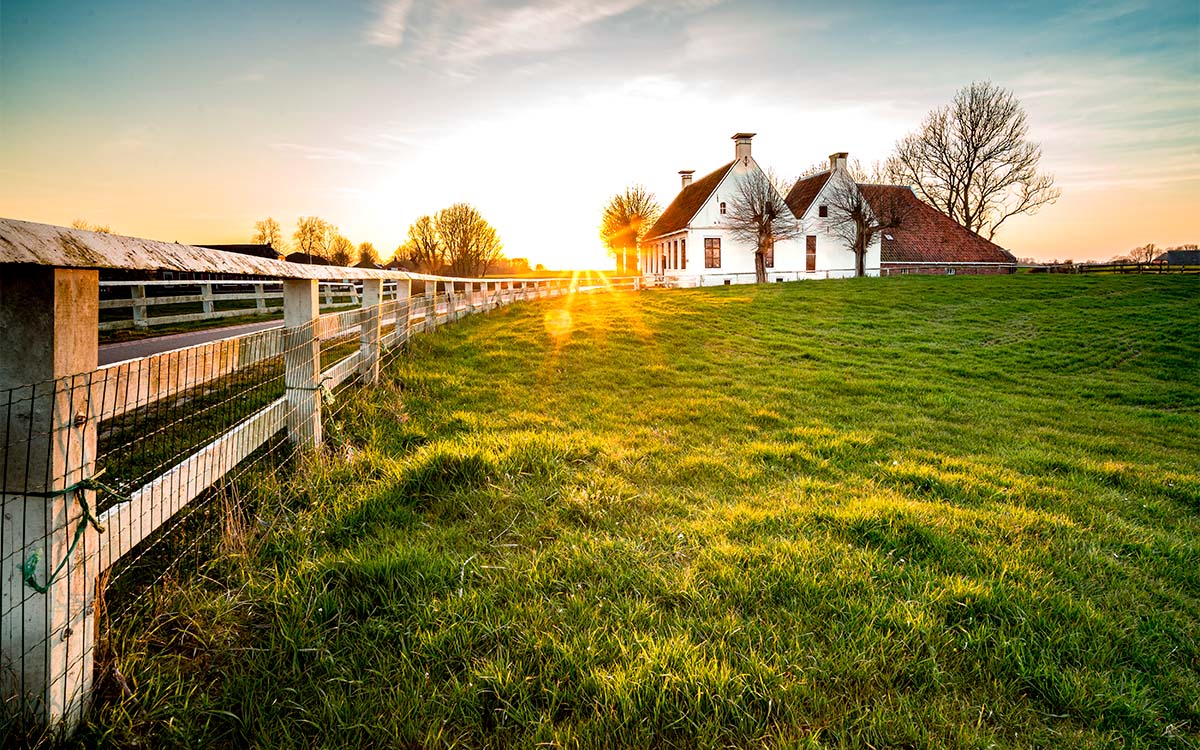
x=688, y=201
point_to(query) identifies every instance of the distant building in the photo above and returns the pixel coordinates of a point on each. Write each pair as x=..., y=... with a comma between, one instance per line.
x=693, y=236
x=311, y=259
x=258, y=251
x=1180, y=258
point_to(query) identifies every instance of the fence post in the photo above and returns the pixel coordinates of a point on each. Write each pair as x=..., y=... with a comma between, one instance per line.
x=260, y=299
x=138, y=292
x=206, y=298
x=403, y=297
x=49, y=434
x=329, y=295
x=302, y=361
x=430, y=305
x=368, y=339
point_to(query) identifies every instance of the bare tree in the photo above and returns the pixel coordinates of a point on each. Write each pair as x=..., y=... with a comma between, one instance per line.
x=368, y=253
x=973, y=160
x=424, y=248
x=268, y=232
x=757, y=213
x=624, y=223
x=101, y=228
x=859, y=213
x=470, y=242
x=341, y=250
x=1143, y=254
x=314, y=236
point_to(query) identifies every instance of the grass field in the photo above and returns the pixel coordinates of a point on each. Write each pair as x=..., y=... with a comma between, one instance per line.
x=912, y=512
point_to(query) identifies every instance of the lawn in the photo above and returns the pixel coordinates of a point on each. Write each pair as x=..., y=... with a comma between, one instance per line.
x=908, y=512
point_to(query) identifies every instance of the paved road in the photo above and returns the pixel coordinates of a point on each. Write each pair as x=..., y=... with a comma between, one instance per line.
x=145, y=347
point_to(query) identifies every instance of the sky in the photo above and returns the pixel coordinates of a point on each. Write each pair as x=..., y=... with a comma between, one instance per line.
x=189, y=121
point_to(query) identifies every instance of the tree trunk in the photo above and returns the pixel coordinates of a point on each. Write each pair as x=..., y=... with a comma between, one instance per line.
x=760, y=266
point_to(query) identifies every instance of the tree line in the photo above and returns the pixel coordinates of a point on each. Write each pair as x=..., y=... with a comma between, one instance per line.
x=456, y=240
x=971, y=159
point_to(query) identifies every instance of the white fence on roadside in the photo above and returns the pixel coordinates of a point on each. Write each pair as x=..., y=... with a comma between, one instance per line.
x=101, y=464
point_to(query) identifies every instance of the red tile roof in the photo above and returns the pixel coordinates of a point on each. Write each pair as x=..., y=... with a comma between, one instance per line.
x=929, y=236
x=804, y=192
x=690, y=200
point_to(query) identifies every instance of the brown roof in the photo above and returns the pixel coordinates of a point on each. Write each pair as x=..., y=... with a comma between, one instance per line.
x=929, y=236
x=690, y=200
x=804, y=192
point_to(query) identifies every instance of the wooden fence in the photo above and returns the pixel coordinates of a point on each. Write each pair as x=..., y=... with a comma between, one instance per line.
x=97, y=462
x=133, y=304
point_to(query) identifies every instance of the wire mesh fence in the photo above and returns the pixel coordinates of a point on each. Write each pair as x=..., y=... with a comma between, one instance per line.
x=119, y=480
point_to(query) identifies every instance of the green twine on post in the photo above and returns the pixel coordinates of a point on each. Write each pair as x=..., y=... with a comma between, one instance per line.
x=326, y=394
x=29, y=567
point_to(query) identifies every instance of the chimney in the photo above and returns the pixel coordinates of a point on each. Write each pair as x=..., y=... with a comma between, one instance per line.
x=839, y=160
x=686, y=177
x=741, y=148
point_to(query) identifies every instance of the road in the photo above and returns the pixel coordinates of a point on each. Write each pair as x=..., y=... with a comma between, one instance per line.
x=124, y=350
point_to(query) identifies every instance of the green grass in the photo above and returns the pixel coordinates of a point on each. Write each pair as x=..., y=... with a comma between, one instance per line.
x=914, y=512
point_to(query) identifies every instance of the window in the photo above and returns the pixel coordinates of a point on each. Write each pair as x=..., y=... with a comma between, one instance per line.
x=823, y=211
x=712, y=252
x=683, y=254
x=722, y=208
x=769, y=254
x=810, y=253
x=675, y=252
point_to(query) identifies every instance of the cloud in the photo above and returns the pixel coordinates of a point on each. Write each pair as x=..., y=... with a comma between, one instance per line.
x=390, y=24
x=465, y=33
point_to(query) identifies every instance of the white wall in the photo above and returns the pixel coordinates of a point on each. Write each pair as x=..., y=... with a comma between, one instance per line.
x=834, y=259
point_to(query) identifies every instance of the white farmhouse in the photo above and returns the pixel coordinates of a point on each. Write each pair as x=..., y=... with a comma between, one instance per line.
x=693, y=238
x=692, y=242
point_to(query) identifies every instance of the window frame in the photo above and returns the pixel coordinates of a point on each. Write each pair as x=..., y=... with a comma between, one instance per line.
x=712, y=248
x=810, y=253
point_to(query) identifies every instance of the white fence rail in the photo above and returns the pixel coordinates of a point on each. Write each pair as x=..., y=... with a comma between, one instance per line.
x=208, y=300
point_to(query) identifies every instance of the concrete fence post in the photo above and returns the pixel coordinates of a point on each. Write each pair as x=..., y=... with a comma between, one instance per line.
x=260, y=299
x=369, y=334
x=138, y=292
x=49, y=432
x=302, y=361
x=206, y=298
